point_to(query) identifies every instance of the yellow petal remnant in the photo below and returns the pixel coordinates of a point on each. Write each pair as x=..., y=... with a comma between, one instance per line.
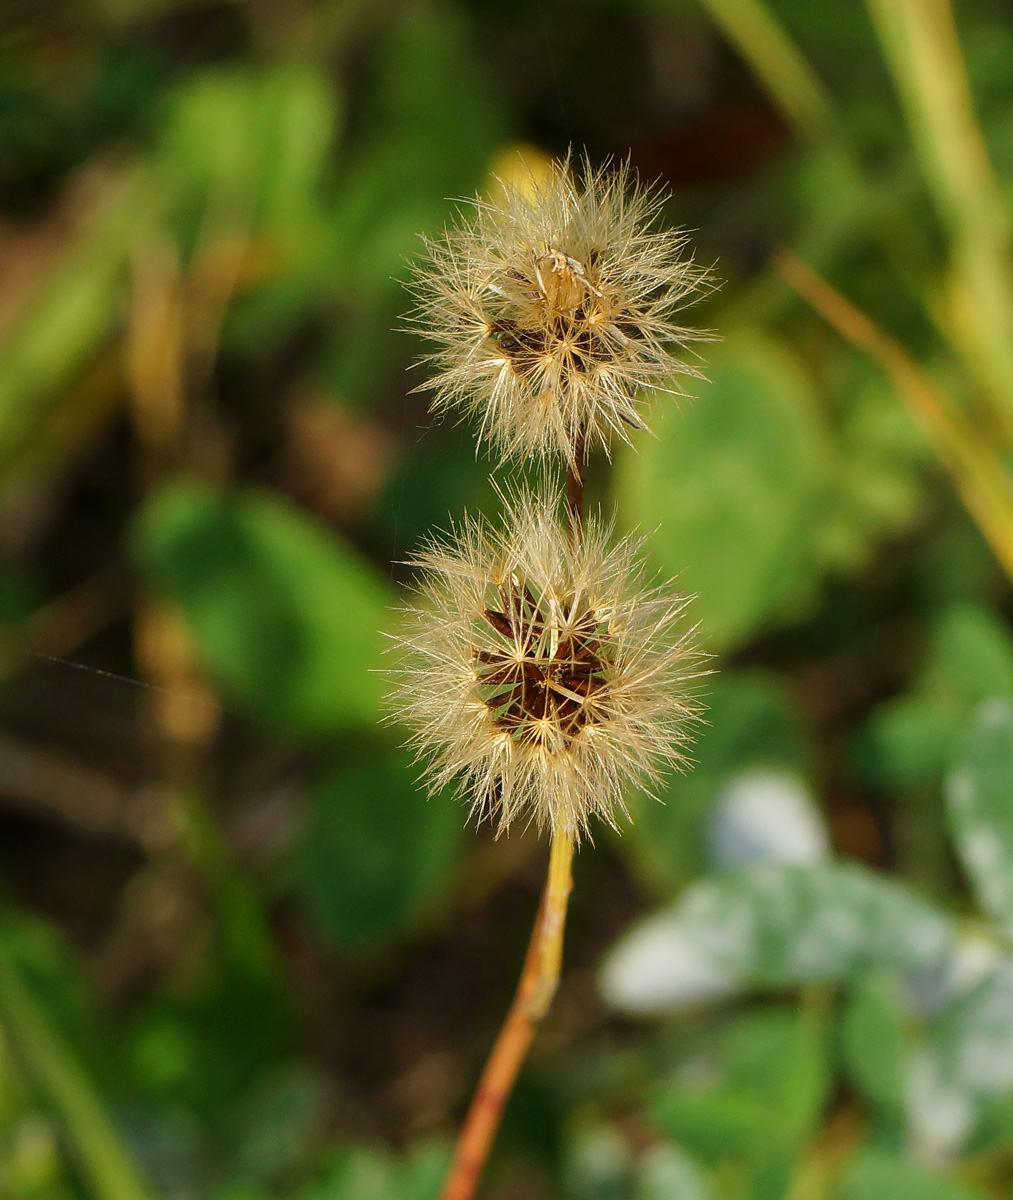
x=540, y=671
x=553, y=307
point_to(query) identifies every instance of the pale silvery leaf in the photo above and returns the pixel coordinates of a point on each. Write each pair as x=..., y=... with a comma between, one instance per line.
x=979, y=797
x=967, y=1059
x=766, y=816
x=655, y=968
x=974, y=956
x=667, y=1173
x=779, y=924
x=940, y=1114
x=774, y=925
x=974, y=1034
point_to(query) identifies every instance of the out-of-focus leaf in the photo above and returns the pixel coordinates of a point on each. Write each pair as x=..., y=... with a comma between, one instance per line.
x=285, y=616
x=874, y=1046
x=969, y=658
x=245, y=154
x=749, y=723
x=275, y=1126
x=439, y=477
x=257, y=141
x=979, y=796
x=877, y=485
x=876, y=1175
x=40, y=957
x=656, y=968
x=940, y=1114
x=971, y=1038
x=375, y=850
x=363, y=1173
x=730, y=488
x=598, y=1162
x=775, y=925
x=768, y=1084
x=433, y=128
x=962, y=1065
x=781, y=924
x=106, y=1162
x=72, y=312
x=766, y=816
x=667, y=1173
x=239, y=1025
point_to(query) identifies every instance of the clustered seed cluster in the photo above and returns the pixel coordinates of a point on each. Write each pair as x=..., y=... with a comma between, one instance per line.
x=539, y=670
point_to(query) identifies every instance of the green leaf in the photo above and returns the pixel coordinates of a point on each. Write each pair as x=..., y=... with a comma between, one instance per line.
x=70, y=315
x=275, y=1124
x=434, y=126
x=716, y=1125
x=365, y=1173
x=874, y=1045
x=969, y=658
x=877, y=482
x=979, y=799
x=258, y=140
x=777, y=925
x=875, y=1175
x=729, y=488
x=768, y=1083
x=970, y=1040
x=285, y=616
x=246, y=153
x=749, y=723
x=375, y=852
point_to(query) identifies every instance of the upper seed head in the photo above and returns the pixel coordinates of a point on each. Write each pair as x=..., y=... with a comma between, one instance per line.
x=553, y=307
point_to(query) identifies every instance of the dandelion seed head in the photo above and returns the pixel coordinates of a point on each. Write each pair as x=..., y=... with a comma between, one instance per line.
x=553, y=307
x=541, y=672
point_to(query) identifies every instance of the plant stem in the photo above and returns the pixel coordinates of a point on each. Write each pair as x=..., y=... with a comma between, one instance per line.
x=538, y=983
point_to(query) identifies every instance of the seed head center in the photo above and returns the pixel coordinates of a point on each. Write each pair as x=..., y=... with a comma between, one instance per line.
x=549, y=316
x=546, y=680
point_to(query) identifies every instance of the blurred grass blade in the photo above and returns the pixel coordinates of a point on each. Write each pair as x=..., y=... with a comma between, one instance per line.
x=69, y=316
x=242, y=921
x=978, y=474
x=778, y=63
x=104, y=1159
x=919, y=38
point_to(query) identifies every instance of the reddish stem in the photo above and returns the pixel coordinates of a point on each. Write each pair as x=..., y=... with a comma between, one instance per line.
x=538, y=983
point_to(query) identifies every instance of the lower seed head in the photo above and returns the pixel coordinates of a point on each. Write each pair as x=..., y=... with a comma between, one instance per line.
x=539, y=671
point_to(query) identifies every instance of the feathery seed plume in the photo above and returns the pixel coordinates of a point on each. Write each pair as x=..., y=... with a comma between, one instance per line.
x=554, y=307
x=540, y=670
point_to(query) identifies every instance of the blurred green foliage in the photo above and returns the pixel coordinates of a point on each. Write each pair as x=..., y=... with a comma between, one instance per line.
x=274, y=605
